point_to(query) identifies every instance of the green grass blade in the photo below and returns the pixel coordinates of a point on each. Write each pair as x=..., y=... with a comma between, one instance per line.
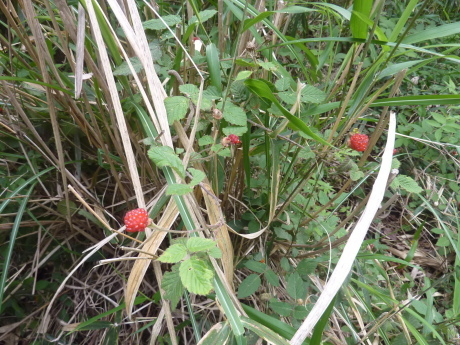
x=13, y=235
x=263, y=332
x=212, y=57
x=417, y=100
x=358, y=26
x=317, y=335
x=433, y=33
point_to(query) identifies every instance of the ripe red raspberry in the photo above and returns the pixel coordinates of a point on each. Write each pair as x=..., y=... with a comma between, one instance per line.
x=234, y=139
x=136, y=220
x=358, y=142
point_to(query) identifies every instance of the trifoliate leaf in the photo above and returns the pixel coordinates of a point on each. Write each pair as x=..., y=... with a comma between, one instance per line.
x=173, y=254
x=233, y=114
x=178, y=189
x=172, y=285
x=164, y=156
x=198, y=244
x=312, y=94
x=198, y=176
x=249, y=285
x=157, y=24
x=176, y=108
x=196, y=276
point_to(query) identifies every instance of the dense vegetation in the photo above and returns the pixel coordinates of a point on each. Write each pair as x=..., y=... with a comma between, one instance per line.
x=229, y=122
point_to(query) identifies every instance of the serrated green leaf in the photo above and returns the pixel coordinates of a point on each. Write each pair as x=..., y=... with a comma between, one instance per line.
x=164, y=156
x=157, y=24
x=288, y=97
x=198, y=176
x=296, y=287
x=189, y=89
x=239, y=131
x=272, y=278
x=198, y=244
x=176, y=108
x=255, y=266
x=205, y=140
x=173, y=254
x=408, y=183
x=203, y=15
x=249, y=285
x=312, y=94
x=178, y=189
x=395, y=164
x=215, y=252
x=282, y=84
x=306, y=267
x=233, y=114
x=196, y=276
x=281, y=308
x=172, y=285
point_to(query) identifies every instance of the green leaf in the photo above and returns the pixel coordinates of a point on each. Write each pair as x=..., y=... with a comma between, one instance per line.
x=196, y=276
x=417, y=100
x=249, y=23
x=124, y=69
x=173, y=254
x=272, y=278
x=239, y=131
x=178, y=189
x=255, y=266
x=203, y=15
x=407, y=183
x=263, y=332
x=249, y=285
x=189, y=89
x=300, y=312
x=212, y=57
x=296, y=287
x=157, y=24
x=356, y=174
x=281, y=308
x=198, y=176
x=243, y=75
x=233, y=114
x=357, y=25
x=205, y=140
x=282, y=84
x=433, y=33
x=312, y=94
x=176, y=108
x=215, y=252
x=261, y=89
x=172, y=285
x=164, y=156
x=218, y=335
x=199, y=244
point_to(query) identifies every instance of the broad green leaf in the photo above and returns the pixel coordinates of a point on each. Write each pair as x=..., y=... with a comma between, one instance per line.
x=296, y=287
x=189, y=89
x=196, y=276
x=172, y=285
x=178, y=189
x=249, y=285
x=176, y=108
x=261, y=89
x=407, y=183
x=272, y=278
x=281, y=308
x=198, y=176
x=157, y=24
x=173, y=254
x=312, y=94
x=203, y=15
x=233, y=114
x=255, y=266
x=205, y=140
x=433, y=33
x=239, y=131
x=359, y=27
x=164, y=156
x=199, y=244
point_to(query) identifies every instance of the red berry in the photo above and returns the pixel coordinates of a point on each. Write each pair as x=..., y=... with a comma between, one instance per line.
x=136, y=220
x=358, y=142
x=234, y=139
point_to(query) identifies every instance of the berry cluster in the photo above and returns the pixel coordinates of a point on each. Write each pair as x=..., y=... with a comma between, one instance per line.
x=358, y=142
x=232, y=139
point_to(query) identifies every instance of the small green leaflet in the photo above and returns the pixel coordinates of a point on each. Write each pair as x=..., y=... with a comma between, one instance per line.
x=281, y=308
x=196, y=276
x=198, y=244
x=164, y=156
x=205, y=140
x=249, y=285
x=178, y=189
x=296, y=287
x=157, y=24
x=173, y=254
x=198, y=176
x=203, y=15
x=176, y=108
x=407, y=183
x=172, y=285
